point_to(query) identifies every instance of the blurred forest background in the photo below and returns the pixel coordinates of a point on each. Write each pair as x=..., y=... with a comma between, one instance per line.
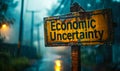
x=10, y=11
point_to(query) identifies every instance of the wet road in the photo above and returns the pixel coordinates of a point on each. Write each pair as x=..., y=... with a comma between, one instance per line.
x=52, y=62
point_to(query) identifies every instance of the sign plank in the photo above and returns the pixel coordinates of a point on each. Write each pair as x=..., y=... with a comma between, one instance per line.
x=79, y=28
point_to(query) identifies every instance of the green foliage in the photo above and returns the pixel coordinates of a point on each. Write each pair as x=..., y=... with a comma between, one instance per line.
x=5, y=62
x=4, y=6
x=20, y=63
x=4, y=18
x=9, y=63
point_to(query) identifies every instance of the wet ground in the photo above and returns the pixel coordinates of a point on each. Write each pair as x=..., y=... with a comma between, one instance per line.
x=52, y=62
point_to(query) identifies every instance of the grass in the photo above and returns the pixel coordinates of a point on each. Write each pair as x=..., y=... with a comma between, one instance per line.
x=19, y=63
x=9, y=63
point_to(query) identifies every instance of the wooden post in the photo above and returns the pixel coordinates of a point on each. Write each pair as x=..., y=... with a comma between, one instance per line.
x=76, y=62
x=75, y=49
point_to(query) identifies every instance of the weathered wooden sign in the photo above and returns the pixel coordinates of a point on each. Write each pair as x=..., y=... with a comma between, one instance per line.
x=79, y=28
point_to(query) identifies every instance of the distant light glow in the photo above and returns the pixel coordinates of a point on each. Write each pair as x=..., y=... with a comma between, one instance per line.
x=58, y=65
x=5, y=31
x=57, y=68
x=4, y=26
x=88, y=5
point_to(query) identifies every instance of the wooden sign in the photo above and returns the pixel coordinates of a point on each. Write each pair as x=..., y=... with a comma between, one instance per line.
x=79, y=28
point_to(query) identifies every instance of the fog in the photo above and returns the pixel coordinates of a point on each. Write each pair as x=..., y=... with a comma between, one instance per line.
x=45, y=8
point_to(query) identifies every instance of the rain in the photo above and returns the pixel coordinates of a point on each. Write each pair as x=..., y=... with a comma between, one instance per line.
x=29, y=44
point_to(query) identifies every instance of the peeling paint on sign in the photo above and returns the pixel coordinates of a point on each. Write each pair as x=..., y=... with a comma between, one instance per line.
x=82, y=28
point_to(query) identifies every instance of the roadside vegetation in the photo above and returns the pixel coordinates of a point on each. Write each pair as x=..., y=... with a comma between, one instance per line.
x=10, y=63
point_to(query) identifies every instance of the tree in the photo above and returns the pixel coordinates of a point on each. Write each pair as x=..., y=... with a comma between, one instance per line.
x=4, y=19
